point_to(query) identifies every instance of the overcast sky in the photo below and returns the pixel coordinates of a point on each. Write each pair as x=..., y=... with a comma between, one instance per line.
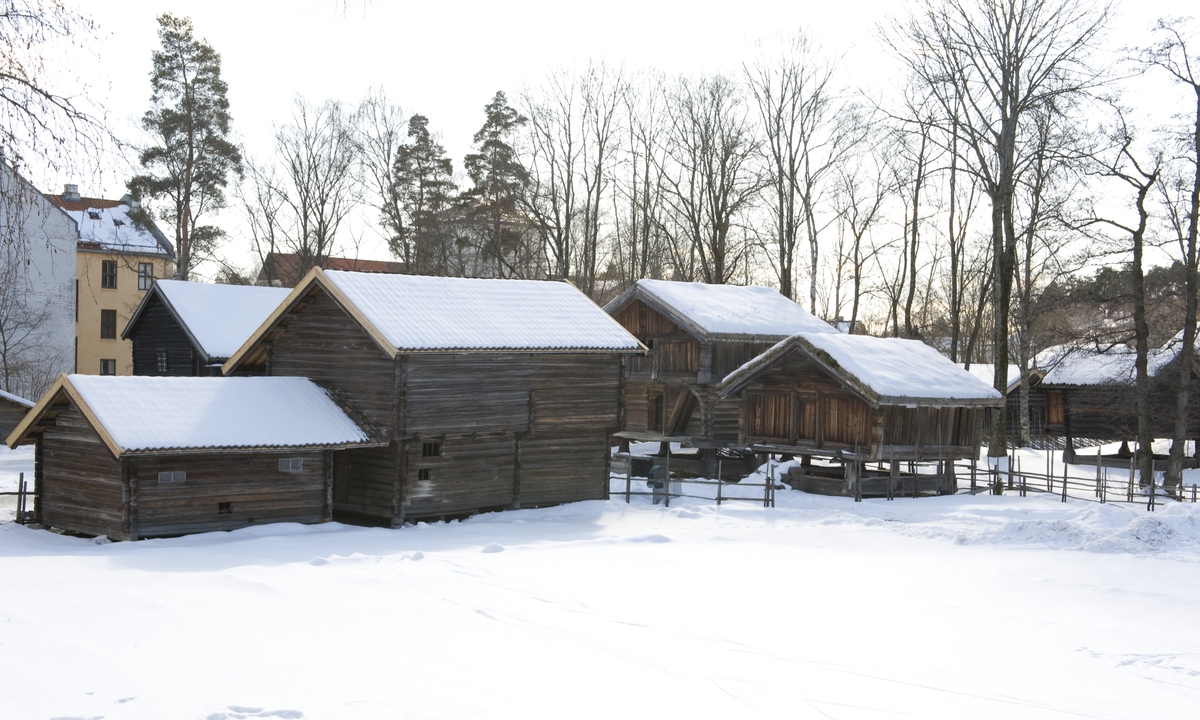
x=447, y=59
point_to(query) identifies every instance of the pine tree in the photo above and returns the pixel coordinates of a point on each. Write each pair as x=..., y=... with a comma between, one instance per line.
x=423, y=187
x=497, y=173
x=190, y=163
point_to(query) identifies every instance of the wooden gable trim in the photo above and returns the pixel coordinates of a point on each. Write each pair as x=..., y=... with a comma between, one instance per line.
x=314, y=280
x=62, y=386
x=793, y=349
x=654, y=303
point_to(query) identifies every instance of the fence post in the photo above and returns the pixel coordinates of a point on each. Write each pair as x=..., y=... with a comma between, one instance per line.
x=21, y=499
x=974, y=459
x=628, y=480
x=769, y=481
x=1132, y=460
x=719, y=481
x=1104, y=488
x=1153, y=492
x=667, y=487
x=1064, y=493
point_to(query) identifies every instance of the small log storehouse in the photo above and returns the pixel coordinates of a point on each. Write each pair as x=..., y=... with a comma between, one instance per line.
x=493, y=394
x=858, y=399
x=12, y=411
x=191, y=328
x=132, y=457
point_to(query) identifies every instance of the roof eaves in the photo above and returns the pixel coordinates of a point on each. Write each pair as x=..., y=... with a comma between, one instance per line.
x=62, y=386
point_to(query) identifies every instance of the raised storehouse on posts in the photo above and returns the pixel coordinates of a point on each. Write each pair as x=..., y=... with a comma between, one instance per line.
x=135, y=457
x=191, y=328
x=859, y=399
x=492, y=394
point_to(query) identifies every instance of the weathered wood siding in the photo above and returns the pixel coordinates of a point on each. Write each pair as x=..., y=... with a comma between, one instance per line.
x=728, y=356
x=256, y=489
x=82, y=488
x=11, y=415
x=321, y=342
x=645, y=323
x=157, y=330
x=558, y=469
x=364, y=484
x=472, y=473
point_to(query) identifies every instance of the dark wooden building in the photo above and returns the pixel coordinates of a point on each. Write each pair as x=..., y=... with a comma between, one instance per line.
x=288, y=269
x=696, y=335
x=858, y=399
x=492, y=394
x=190, y=328
x=135, y=457
x=12, y=412
x=1012, y=402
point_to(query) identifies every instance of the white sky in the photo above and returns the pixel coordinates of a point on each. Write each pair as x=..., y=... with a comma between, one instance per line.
x=446, y=60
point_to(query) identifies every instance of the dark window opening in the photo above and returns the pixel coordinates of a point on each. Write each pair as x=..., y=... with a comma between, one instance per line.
x=172, y=476
x=108, y=367
x=431, y=449
x=118, y=223
x=225, y=508
x=93, y=215
x=424, y=474
x=108, y=274
x=291, y=464
x=655, y=421
x=145, y=275
x=162, y=361
x=108, y=324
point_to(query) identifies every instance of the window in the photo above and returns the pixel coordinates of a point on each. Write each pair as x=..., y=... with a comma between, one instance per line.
x=162, y=361
x=424, y=474
x=431, y=449
x=108, y=367
x=145, y=275
x=172, y=476
x=291, y=464
x=108, y=274
x=93, y=215
x=225, y=508
x=108, y=324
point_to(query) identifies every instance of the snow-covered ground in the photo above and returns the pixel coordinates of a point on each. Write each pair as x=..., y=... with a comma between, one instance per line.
x=12, y=464
x=952, y=607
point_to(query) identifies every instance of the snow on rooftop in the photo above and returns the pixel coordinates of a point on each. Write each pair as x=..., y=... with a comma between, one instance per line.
x=155, y=413
x=221, y=317
x=416, y=312
x=734, y=309
x=987, y=373
x=16, y=398
x=1092, y=366
x=112, y=229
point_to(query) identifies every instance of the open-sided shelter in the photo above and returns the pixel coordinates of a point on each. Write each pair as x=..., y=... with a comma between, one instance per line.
x=696, y=334
x=132, y=457
x=191, y=328
x=492, y=393
x=857, y=399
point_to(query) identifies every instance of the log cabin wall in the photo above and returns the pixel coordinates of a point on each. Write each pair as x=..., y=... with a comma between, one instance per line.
x=157, y=331
x=927, y=427
x=798, y=403
x=82, y=489
x=646, y=324
x=11, y=415
x=1109, y=412
x=364, y=485
x=225, y=490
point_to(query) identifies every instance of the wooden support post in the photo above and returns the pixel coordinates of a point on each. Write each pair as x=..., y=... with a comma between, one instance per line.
x=20, y=499
x=719, y=481
x=327, y=459
x=974, y=461
x=1132, y=462
x=628, y=480
x=667, y=486
x=769, y=482
x=893, y=474
x=1064, y=492
x=1097, y=471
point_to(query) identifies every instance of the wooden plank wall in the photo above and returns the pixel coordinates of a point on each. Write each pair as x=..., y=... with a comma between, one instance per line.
x=728, y=356
x=473, y=473
x=558, y=469
x=252, y=483
x=645, y=323
x=364, y=483
x=156, y=330
x=11, y=415
x=82, y=488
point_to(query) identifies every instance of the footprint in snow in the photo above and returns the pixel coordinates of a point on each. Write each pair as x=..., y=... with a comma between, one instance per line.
x=493, y=548
x=239, y=712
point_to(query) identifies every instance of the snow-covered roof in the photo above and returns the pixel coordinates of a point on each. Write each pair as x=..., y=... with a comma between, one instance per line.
x=1093, y=366
x=106, y=224
x=724, y=310
x=17, y=399
x=218, y=318
x=139, y=413
x=987, y=373
x=423, y=313
x=886, y=371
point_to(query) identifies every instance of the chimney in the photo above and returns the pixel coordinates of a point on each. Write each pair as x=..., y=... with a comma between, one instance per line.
x=71, y=193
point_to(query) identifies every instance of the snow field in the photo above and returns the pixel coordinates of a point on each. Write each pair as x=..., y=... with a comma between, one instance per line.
x=947, y=607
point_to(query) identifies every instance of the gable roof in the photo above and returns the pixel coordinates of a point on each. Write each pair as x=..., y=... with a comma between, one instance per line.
x=883, y=371
x=139, y=414
x=407, y=314
x=106, y=225
x=722, y=311
x=1089, y=365
x=216, y=318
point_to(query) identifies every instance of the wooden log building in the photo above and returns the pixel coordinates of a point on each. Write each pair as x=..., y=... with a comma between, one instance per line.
x=1012, y=398
x=12, y=411
x=696, y=334
x=859, y=399
x=492, y=394
x=133, y=457
x=190, y=328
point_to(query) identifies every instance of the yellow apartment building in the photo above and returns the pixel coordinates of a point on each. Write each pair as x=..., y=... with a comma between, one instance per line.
x=116, y=262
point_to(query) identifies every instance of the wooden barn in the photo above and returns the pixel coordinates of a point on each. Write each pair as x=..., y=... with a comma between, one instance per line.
x=1012, y=394
x=190, y=328
x=492, y=393
x=696, y=335
x=12, y=412
x=1090, y=393
x=858, y=399
x=132, y=457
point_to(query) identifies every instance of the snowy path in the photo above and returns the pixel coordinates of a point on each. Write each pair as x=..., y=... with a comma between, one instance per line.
x=820, y=608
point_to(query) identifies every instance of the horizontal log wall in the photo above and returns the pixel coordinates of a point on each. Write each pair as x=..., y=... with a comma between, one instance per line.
x=157, y=329
x=364, y=482
x=256, y=489
x=567, y=468
x=728, y=356
x=11, y=415
x=471, y=474
x=82, y=488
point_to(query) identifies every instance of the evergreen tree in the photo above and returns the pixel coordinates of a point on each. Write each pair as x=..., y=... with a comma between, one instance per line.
x=423, y=186
x=498, y=175
x=190, y=162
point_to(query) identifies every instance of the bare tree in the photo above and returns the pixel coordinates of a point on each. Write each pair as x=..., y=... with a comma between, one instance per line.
x=639, y=202
x=860, y=198
x=25, y=367
x=378, y=134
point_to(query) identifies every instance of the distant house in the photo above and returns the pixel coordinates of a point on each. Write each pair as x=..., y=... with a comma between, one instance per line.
x=191, y=328
x=492, y=394
x=1037, y=402
x=858, y=399
x=696, y=335
x=135, y=457
x=119, y=255
x=287, y=269
x=37, y=285
x=12, y=411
